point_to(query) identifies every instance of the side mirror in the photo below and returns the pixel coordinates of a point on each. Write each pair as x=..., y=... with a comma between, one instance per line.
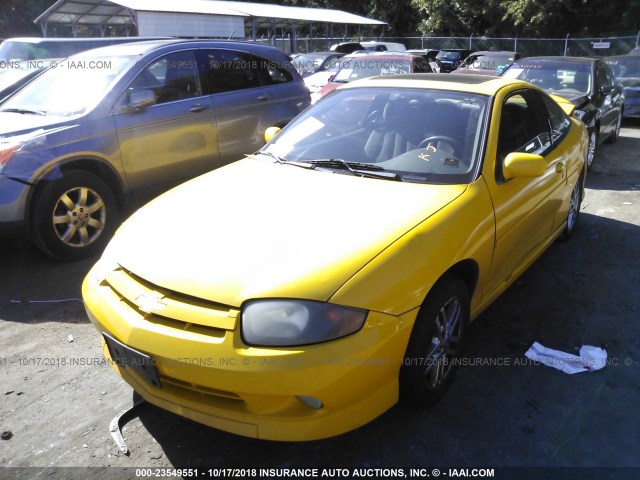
x=518, y=164
x=141, y=99
x=270, y=133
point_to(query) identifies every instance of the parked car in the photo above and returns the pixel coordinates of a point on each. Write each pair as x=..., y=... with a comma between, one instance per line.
x=35, y=48
x=635, y=51
x=487, y=62
x=126, y=121
x=309, y=63
x=450, y=58
x=430, y=55
x=377, y=46
x=346, y=47
x=373, y=64
x=379, y=223
x=626, y=69
x=588, y=83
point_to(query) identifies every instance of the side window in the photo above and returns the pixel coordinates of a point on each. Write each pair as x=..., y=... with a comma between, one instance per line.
x=609, y=74
x=172, y=77
x=523, y=127
x=559, y=121
x=601, y=78
x=275, y=73
x=228, y=70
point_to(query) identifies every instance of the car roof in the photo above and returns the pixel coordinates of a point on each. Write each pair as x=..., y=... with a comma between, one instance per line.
x=560, y=59
x=481, y=84
x=495, y=52
x=141, y=48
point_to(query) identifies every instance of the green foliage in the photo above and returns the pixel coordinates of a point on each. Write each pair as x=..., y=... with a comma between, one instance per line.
x=17, y=16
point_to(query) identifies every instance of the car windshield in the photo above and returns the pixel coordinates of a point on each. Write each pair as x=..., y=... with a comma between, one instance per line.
x=370, y=67
x=396, y=131
x=308, y=63
x=554, y=77
x=70, y=87
x=445, y=55
x=629, y=67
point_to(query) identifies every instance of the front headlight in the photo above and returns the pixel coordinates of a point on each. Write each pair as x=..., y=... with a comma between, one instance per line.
x=288, y=323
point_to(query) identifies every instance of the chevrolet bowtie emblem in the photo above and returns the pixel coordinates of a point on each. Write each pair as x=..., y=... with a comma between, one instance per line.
x=150, y=302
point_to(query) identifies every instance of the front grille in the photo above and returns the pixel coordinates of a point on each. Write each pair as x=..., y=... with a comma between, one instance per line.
x=173, y=309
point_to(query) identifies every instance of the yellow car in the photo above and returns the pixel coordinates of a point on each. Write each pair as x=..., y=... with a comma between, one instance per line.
x=301, y=292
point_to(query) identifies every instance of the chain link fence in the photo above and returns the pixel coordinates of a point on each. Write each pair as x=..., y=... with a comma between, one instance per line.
x=600, y=46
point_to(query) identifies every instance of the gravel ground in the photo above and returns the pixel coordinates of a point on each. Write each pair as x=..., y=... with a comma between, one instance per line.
x=58, y=396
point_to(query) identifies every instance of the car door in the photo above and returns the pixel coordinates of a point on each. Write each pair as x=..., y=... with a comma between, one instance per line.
x=176, y=137
x=245, y=106
x=604, y=93
x=525, y=207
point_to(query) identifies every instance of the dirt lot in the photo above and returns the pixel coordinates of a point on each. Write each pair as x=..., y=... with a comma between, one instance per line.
x=58, y=397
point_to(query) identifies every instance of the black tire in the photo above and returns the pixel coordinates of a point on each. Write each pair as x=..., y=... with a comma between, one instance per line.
x=613, y=138
x=574, y=211
x=74, y=216
x=593, y=146
x=430, y=362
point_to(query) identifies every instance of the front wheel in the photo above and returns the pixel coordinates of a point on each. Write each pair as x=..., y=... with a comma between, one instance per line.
x=435, y=344
x=74, y=216
x=574, y=212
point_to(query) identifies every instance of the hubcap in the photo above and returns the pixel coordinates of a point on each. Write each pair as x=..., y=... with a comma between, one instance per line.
x=574, y=207
x=79, y=217
x=445, y=343
x=592, y=148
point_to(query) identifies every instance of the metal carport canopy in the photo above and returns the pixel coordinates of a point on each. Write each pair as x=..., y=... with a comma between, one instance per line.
x=122, y=12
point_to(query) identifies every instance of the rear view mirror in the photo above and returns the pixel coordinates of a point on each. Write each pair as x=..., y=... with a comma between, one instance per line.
x=518, y=164
x=141, y=99
x=270, y=133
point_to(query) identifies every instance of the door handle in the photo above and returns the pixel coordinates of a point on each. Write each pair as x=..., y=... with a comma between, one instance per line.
x=264, y=98
x=198, y=107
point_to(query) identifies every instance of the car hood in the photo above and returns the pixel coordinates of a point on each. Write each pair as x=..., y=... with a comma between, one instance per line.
x=578, y=99
x=20, y=123
x=259, y=229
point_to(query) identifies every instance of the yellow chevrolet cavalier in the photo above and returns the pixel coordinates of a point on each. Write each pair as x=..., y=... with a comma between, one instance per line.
x=301, y=292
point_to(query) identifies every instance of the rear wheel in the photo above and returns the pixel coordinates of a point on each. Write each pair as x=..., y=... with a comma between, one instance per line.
x=435, y=343
x=613, y=138
x=74, y=216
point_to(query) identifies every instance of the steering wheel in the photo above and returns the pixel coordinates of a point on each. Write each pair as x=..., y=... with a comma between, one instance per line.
x=371, y=121
x=437, y=138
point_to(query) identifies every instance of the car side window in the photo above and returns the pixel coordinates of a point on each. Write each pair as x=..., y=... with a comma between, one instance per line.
x=228, y=70
x=601, y=78
x=275, y=73
x=610, y=77
x=171, y=77
x=523, y=127
x=559, y=121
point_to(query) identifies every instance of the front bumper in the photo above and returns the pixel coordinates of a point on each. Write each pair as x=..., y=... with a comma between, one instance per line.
x=209, y=375
x=13, y=206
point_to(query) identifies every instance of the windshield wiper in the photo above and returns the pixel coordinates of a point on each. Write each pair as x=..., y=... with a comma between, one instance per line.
x=357, y=168
x=284, y=161
x=24, y=110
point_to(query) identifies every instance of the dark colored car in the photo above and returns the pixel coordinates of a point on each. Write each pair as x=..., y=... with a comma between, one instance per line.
x=346, y=47
x=451, y=58
x=488, y=63
x=588, y=83
x=430, y=55
x=309, y=63
x=626, y=69
x=125, y=122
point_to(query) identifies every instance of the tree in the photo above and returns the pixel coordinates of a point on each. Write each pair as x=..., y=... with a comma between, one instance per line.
x=17, y=16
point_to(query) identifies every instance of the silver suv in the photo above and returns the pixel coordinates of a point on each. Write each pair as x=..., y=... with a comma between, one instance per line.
x=125, y=122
